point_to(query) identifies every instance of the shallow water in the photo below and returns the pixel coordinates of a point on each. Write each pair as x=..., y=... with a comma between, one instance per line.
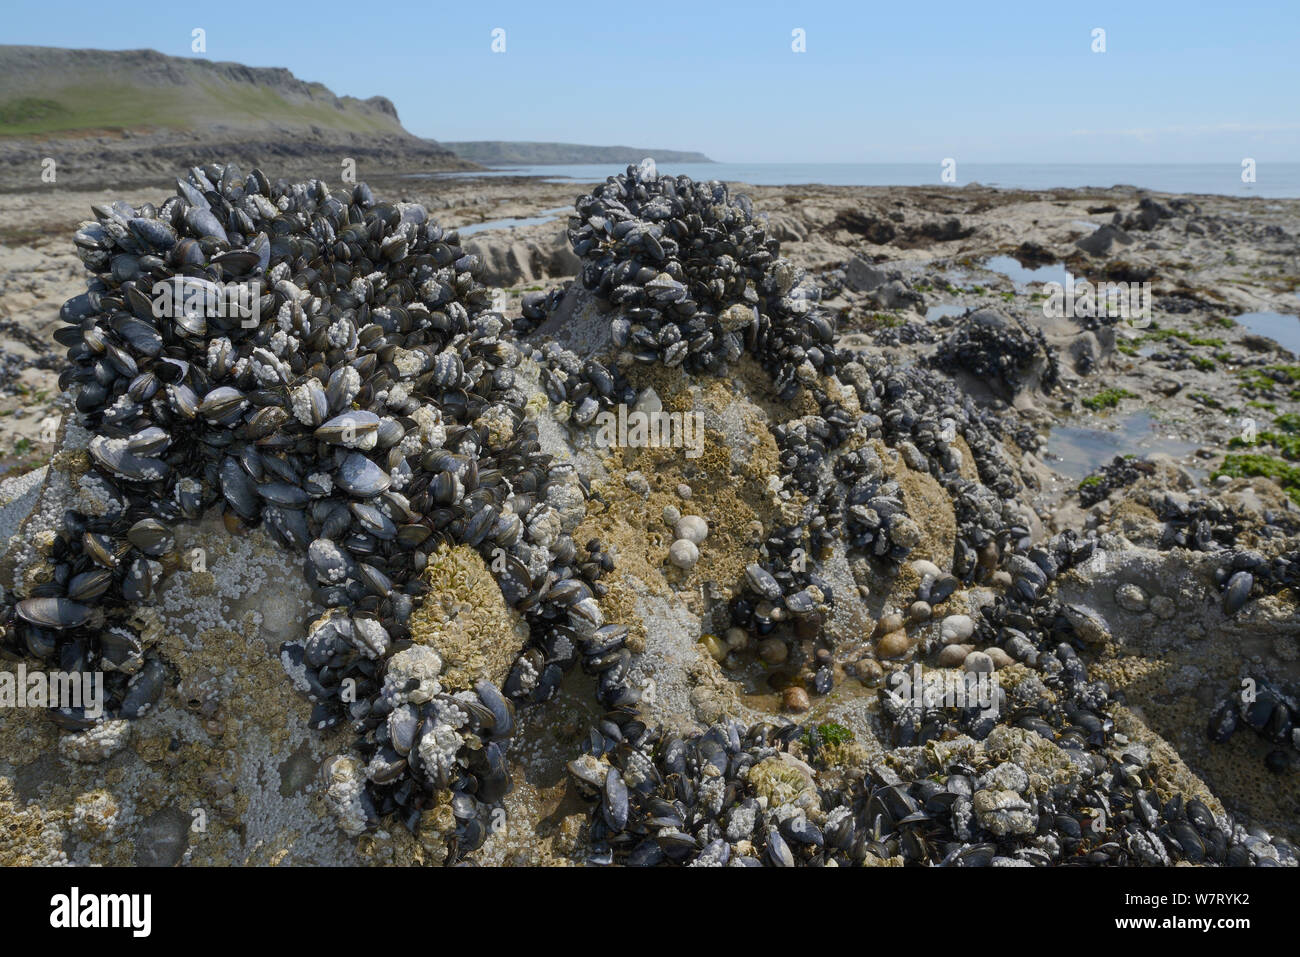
x=1077, y=452
x=1275, y=179
x=943, y=309
x=546, y=216
x=1278, y=326
x=1024, y=275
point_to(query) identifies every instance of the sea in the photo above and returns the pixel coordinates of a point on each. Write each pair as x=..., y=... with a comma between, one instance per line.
x=1272, y=180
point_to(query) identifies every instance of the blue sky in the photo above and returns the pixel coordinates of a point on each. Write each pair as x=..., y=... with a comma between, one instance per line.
x=911, y=82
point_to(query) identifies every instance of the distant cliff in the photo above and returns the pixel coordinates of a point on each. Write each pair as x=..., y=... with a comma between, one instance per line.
x=113, y=117
x=498, y=153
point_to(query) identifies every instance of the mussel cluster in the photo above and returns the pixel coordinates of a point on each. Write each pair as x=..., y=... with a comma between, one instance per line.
x=923, y=417
x=1119, y=472
x=535, y=306
x=359, y=401
x=585, y=384
x=997, y=349
x=1267, y=709
x=1211, y=525
x=697, y=280
x=736, y=797
x=662, y=797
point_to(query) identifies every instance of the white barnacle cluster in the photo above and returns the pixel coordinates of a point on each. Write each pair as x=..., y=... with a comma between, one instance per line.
x=438, y=747
x=340, y=333
x=97, y=813
x=284, y=316
x=345, y=785
x=351, y=384
x=370, y=637
x=397, y=396
x=528, y=675
x=238, y=576
x=269, y=370
x=218, y=349
x=329, y=560
x=712, y=793
x=410, y=362
x=97, y=743
x=432, y=432
x=95, y=496
x=296, y=671
x=741, y=822
x=545, y=526
x=300, y=404
x=420, y=664
x=499, y=422
x=400, y=476
x=323, y=480
x=445, y=712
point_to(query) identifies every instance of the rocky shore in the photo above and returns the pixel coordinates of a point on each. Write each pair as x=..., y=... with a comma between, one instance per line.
x=1167, y=439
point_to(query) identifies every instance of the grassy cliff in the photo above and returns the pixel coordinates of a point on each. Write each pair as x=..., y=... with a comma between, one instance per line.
x=114, y=117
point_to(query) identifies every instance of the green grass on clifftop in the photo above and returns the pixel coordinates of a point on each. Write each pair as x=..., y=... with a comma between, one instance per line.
x=113, y=105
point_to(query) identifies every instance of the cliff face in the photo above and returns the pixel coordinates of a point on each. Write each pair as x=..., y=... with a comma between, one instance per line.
x=108, y=89
x=496, y=153
x=119, y=117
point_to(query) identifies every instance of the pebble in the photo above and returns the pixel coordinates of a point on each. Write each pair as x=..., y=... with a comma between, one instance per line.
x=1000, y=658
x=683, y=553
x=692, y=528
x=920, y=611
x=894, y=645
x=868, y=670
x=162, y=838
x=637, y=483
x=795, y=699
x=684, y=491
x=672, y=514
x=923, y=567
x=956, y=628
x=716, y=649
x=1163, y=607
x=1131, y=598
x=978, y=662
x=737, y=638
x=773, y=651
x=891, y=622
x=953, y=655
